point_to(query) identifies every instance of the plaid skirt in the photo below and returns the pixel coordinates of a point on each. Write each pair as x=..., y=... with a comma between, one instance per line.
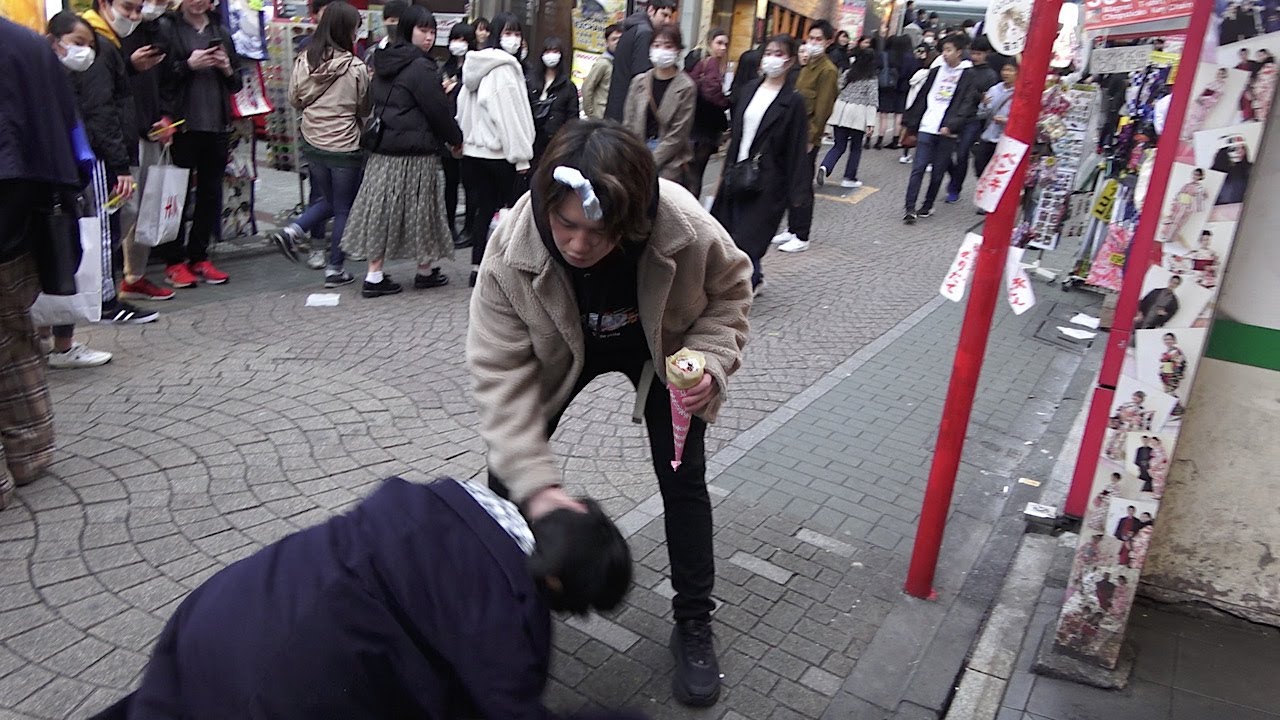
x=26, y=413
x=399, y=212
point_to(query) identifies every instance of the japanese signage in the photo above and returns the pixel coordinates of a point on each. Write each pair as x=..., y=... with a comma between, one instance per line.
x=995, y=179
x=1017, y=284
x=957, y=279
x=1104, y=61
x=853, y=14
x=1114, y=13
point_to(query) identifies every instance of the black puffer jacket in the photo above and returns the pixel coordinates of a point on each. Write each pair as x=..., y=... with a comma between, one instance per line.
x=551, y=114
x=106, y=104
x=145, y=85
x=407, y=95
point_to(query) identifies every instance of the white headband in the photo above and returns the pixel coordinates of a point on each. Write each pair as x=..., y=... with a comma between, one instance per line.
x=581, y=185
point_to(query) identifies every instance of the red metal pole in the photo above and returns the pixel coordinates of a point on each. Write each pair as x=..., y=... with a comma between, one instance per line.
x=1143, y=253
x=1023, y=117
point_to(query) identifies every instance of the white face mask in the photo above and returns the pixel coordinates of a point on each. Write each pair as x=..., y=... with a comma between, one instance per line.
x=551, y=59
x=123, y=26
x=815, y=49
x=662, y=57
x=151, y=11
x=510, y=43
x=78, y=58
x=458, y=48
x=772, y=65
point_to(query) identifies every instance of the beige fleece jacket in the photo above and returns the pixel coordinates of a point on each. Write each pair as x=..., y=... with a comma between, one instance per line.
x=525, y=346
x=334, y=100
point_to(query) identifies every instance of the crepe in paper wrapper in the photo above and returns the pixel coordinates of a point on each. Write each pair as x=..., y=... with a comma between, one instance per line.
x=684, y=371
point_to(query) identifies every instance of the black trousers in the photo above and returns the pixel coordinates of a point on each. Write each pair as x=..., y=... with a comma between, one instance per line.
x=452, y=176
x=205, y=154
x=800, y=217
x=983, y=151
x=686, y=504
x=490, y=186
x=704, y=146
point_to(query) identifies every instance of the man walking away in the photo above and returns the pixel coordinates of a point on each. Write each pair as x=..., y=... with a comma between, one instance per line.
x=817, y=84
x=595, y=89
x=631, y=58
x=984, y=77
x=947, y=99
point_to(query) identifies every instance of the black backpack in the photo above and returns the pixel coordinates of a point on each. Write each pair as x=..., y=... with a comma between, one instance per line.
x=888, y=73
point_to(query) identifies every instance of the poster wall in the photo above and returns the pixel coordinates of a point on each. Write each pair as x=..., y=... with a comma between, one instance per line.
x=1231, y=97
x=590, y=18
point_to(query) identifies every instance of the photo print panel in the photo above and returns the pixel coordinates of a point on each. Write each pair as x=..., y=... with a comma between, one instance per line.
x=1187, y=203
x=1169, y=301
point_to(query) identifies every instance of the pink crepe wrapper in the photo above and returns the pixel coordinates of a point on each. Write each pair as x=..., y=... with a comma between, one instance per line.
x=680, y=419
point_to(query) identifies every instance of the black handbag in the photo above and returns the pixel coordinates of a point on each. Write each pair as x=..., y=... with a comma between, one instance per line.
x=53, y=234
x=371, y=139
x=743, y=177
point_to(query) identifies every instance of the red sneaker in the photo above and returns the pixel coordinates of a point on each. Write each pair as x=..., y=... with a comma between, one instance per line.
x=180, y=276
x=209, y=273
x=144, y=289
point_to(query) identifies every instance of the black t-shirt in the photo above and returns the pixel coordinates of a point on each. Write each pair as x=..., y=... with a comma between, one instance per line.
x=608, y=298
x=652, y=129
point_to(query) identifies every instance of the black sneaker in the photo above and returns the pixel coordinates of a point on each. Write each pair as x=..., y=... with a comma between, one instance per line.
x=909, y=217
x=471, y=282
x=286, y=242
x=435, y=279
x=378, y=289
x=695, y=681
x=925, y=212
x=338, y=279
x=125, y=314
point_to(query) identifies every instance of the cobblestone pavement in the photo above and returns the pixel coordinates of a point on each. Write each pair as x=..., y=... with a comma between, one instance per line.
x=242, y=415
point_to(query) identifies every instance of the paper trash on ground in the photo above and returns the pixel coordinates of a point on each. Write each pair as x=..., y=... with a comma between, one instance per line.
x=1077, y=333
x=1088, y=321
x=323, y=299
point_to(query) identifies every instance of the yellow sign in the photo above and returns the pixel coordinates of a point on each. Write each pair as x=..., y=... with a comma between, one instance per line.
x=1106, y=199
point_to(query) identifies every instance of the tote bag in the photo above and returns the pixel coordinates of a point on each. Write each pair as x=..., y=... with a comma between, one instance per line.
x=86, y=305
x=163, y=196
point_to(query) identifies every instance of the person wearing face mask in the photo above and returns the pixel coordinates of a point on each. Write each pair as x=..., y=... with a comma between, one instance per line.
x=660, y=107
x=497, y=124
x=552, y=95
x=632, y=56
x=197, y=78
x=605, y=268
x=818, y=84
x=423, y=601
x=929, y=45
x=983, y=79
x=99, y=79
x=330, y=85
x=391, y=13
x=769, y=132
x=947, y=100
x=462, y=40
x=399, y=211
x=595, y=88
x=709, y=118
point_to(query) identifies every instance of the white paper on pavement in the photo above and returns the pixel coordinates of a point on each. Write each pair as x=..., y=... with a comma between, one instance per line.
x=323, y=299
x=957, y=279
x=1017, y=284
x=1077, y=333
x=995, y=179
x=1088, y=321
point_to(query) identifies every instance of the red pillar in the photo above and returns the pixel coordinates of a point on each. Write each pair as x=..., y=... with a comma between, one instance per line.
x=986, y=291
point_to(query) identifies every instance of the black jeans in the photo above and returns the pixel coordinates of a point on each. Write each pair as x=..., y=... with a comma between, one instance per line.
x=936, y=150
x=704, y=146
x=205, y=153
x=800, y=217
x=960, y=166
x=686, y=504
x=490, y=186
x=452, y=176
x=983, y=151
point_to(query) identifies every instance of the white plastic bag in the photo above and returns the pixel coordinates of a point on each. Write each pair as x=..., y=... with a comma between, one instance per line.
x=160, y=209
x=86, y=305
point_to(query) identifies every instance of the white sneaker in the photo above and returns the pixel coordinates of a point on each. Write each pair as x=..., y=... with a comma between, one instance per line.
x=795, y=244
x=78, y=356
x=822, y=176
x=316, y=260
x=755, y=291
x=783, y=237
x=850, y=183
x=904, y=159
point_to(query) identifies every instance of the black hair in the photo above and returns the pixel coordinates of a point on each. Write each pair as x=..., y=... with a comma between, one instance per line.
x=394, y=9
x=336, y=31
x=864, y=65
x=415, y=16
x=463, y=31
x=315, y=6
x=1011, y=62
x=663, y=4
x=670, y=33
x=481, y=22
x=715, y=33
x=540, y=70
x=959, y=41
x=585, y=554
x=502, y=22
x=981, y=44
x=614, y=28
x=968, y=23
x=65, y=22
x=619, y=166
x=828, y=31
x=787, y=42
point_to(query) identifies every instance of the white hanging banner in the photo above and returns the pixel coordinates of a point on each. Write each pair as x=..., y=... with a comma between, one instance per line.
x=1016, y=282
x=1006, y=25
x=995, y=179
x=957, y=279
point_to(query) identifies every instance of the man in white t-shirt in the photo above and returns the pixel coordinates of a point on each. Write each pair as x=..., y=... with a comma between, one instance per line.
x=946, y=102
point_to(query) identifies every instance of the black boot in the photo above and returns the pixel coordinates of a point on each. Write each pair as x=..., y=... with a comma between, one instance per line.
x=893, y=144
x=695, y=681
x=879, y=142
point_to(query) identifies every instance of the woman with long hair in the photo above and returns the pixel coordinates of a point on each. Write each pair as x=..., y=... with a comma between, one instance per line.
x=853, y=118
x=895, y=80
x=765, y=168
x=659, y=107
x=330, y=85
x=709, y=118
x=462, y=40
x=553, y=97
x=497, y=124
x=399, y=212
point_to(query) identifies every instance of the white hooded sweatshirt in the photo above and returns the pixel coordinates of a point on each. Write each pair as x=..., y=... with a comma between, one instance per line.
x=493, y=109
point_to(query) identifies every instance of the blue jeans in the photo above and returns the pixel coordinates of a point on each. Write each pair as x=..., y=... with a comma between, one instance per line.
x=933, y=150
x=853, y=140
x=337, y=186
x=960, y=165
